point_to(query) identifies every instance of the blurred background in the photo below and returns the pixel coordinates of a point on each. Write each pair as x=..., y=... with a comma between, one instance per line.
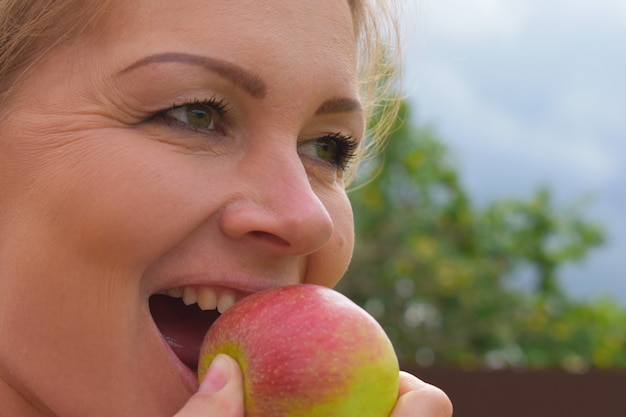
x=491, y=244
x=533, y=92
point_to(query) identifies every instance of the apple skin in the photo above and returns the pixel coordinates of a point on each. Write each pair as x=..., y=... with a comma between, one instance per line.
x=306, y=350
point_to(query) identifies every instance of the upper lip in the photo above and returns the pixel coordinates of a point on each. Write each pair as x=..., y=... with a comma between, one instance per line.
x=242, y=282
x=241, y=287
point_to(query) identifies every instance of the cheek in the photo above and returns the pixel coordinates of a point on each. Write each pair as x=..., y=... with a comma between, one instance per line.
x=112, y=198
x=327, y=266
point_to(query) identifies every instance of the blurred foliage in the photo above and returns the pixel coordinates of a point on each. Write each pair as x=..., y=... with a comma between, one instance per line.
x=451, y=282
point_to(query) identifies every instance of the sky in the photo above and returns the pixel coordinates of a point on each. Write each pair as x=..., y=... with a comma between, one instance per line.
x=528, y=93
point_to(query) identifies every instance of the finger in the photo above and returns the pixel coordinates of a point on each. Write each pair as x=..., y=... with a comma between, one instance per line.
x=419, y=399
x=220, y=394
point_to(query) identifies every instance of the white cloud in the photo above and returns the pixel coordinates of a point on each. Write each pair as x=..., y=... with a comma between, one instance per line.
x=476, y=125
x=473, y=21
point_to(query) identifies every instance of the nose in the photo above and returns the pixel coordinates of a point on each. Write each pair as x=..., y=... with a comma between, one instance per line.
x=274, y=205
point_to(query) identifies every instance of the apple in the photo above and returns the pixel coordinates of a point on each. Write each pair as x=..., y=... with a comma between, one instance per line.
x=306, y=350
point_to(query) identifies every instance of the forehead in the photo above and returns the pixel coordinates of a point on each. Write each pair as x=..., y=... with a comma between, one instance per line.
x=303, y=31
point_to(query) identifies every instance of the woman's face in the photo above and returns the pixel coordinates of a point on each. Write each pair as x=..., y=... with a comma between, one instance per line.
x=176, y=148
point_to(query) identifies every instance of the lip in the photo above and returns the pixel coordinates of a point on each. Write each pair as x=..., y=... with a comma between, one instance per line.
x=242, y=287
x=187, y=376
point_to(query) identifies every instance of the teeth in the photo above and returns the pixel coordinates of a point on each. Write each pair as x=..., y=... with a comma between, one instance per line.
x=175, y=292
x=190, y=296
x=226, y=301
x=207, y=298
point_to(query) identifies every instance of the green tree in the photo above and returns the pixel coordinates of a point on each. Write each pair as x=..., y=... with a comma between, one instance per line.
x=441, y=275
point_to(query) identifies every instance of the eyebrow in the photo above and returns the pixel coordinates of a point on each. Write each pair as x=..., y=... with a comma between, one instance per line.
x=240, y=77
x=340, y=105
x=247, y=81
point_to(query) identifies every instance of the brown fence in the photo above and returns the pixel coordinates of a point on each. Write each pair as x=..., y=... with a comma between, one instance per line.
x=531, y=394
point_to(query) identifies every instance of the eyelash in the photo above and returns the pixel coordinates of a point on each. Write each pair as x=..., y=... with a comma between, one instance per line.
x=346, y=149
x=345, y=145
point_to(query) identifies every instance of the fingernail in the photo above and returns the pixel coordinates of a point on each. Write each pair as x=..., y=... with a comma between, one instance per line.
x=216, y=376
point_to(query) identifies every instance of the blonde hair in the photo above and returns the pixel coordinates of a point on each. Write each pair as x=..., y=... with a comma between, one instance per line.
x=30, y=28
x=379, y=52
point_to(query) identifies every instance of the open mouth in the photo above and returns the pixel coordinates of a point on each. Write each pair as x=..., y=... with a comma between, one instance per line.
x=183, y=315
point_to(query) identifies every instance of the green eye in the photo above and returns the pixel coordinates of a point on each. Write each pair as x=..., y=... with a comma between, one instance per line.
x=336, y=149
x=203, y=116
x=198, y=115
x=326, y=149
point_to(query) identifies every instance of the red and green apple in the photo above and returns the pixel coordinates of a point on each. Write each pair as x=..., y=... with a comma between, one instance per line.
x=306, y=350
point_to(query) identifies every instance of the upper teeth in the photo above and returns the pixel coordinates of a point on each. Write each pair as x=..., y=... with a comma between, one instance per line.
x=207, y=298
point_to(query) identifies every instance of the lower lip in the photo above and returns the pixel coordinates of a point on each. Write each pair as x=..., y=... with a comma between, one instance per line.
x=187, y=376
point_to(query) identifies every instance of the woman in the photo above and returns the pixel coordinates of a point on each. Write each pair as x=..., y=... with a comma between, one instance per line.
x=155, y=155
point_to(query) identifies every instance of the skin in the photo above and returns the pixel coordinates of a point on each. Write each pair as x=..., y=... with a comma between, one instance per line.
x=104, y=205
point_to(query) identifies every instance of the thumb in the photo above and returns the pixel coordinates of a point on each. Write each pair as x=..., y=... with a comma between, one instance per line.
x=221, y=391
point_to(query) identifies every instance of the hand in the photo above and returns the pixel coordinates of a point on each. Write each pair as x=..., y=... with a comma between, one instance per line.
x=419, y=399
x=220, y=394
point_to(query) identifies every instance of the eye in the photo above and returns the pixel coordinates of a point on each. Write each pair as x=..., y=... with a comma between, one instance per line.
x=197, y=115
x=337, y=149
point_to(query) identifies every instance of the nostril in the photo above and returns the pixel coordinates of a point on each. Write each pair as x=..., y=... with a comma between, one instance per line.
x=271, y=238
